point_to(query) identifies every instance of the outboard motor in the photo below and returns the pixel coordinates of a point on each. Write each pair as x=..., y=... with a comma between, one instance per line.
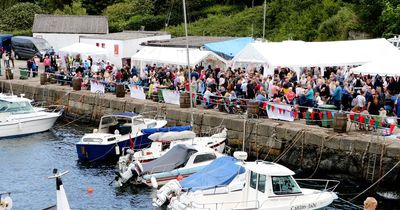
x=5, y=201
x=166, y=192
x=125, y=160
x=134, y=170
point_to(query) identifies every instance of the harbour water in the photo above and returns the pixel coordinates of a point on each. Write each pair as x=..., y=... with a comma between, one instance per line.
x=26, y=162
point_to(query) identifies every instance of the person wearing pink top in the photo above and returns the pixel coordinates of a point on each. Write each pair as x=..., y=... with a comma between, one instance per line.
x=46, y=63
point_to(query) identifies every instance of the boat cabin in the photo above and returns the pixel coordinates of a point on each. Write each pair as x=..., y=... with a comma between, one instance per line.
x=15, y=105
x=124, y=123
x=270, y=180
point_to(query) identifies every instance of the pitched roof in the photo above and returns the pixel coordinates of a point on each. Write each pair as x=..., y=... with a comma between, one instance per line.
x=126, y=35
x=194, y=41
x=71, y=24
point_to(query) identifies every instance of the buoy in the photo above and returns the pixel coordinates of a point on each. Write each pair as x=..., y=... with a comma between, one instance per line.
x=179, y=178
x=89, y=189
x=154, y=182
x=116, y=149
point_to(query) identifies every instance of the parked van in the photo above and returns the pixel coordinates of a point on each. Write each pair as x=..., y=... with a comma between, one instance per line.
x=5, y=42
x=26, y=47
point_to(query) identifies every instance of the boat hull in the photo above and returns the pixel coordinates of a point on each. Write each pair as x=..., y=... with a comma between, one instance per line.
x=103, y=152
x=27, y=126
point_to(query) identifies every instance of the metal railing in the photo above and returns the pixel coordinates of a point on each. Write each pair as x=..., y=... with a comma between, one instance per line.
x=320, y=184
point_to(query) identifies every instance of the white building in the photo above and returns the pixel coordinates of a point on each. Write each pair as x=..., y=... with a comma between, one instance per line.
x=63, y=30
x=121, y=46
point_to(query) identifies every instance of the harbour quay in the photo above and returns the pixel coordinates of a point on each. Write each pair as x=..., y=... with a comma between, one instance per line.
x=358, y=154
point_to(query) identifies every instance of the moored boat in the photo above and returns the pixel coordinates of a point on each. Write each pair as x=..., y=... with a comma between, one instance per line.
x=267, y=186
x=116, y=131
x=162, y=142
x=181, y=161
x=18, y=117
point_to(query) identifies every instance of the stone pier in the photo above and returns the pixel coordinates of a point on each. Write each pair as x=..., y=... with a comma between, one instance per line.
x=299, y=146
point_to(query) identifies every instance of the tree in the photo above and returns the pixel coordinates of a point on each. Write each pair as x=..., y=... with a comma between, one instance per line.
x=390, y=19
x=74, y=9
x=5, y=4
x=19, y=17
x=96, y=7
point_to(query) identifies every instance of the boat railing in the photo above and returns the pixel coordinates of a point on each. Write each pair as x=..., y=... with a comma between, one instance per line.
x=319, y=184
x=253, y=204
x=211, y=131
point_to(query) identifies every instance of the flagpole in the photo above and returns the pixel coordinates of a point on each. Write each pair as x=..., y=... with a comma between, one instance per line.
x=265, y=8
x=188, y=64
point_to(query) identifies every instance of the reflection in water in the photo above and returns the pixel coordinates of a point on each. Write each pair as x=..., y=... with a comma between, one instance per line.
x=26, y=162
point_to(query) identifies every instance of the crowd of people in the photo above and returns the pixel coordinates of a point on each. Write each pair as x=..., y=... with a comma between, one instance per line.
x=375, y=95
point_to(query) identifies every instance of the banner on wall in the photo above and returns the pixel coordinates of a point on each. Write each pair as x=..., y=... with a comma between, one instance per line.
x=171, y=97
x=97, y=87
x=280, y=111
x=137, y=92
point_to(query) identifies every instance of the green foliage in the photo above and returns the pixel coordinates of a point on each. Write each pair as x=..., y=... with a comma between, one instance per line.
x=96, y=7
x=5, y=4
x=338, y=26
x=49, y=6
x=74, y=9
x=391, y=19
x=119, y=14
x=149, y=22
x=19, y=17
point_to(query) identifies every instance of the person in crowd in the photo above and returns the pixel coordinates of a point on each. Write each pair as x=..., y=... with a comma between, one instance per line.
x=310, y=96
x=370, y=203
x=46, y=63
x=337, y=95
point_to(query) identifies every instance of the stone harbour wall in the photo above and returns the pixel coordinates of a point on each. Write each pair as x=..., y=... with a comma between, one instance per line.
x=305, y=148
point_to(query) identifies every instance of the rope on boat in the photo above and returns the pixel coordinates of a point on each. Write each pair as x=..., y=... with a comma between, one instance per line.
x=377, y=181
x=352, y=204
x=319, y=159
x=295, y=139
x=79, y=118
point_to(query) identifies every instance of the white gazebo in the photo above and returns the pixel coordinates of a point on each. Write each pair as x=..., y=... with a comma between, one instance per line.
x=389, y=66
x=296, y=54
x=84, y=50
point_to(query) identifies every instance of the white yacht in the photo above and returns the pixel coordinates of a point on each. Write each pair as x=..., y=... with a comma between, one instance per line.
x=19, y=117
x=162, y=142
x=267, y=186
x=181, y=161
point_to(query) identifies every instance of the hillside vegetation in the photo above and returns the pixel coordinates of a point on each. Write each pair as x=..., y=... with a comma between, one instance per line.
x=285, y=19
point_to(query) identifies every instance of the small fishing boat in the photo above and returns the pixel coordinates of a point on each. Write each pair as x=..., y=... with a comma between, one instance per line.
x=18, y=117
x=6, y=202
x=267, y=186
x=162, y=142
x=180, y=161
x=62, y=200
x=115, y=132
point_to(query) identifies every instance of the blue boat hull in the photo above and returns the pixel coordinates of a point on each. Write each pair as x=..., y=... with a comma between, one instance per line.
x=97, y=152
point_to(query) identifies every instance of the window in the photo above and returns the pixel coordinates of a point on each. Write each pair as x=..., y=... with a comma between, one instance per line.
x=253, y=180
x=16, y=107
x=283, y=185
x=152, y=125
x=261, y=183
x=204, y=157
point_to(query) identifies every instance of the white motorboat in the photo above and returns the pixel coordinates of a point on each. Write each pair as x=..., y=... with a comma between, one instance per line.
x=6, y=202
x=116, y=131
x=180, y=161
x=162, y=142
x=62, y=200
x=18, y=117
x=267, y=186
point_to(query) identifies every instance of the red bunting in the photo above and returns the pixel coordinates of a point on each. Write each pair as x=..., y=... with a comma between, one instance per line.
x=371, y=122
x=295, y=114
x=204, y=99
x=272, y=108
x=392, y=126
x=312, y=115
x=280, y=110
x=329, y=114
x=361, y=119
x=264, y=105
x=320, y=115
x=304, y=115
x=211, y=101
x=382, y=124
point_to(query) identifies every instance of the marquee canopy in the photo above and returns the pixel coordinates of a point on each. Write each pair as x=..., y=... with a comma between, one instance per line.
x=177, y=56
x=384, y=66
x=229, y=48
x=308, y=54
x=84, y=50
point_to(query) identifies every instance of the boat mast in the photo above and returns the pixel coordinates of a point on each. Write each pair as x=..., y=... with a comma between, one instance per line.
x=188, y=64
x=265, y=8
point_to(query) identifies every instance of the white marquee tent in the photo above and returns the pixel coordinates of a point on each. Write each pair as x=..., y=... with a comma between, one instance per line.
x=84, y=50
x=297, y=54
x=384, y=66
x=175, y=56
